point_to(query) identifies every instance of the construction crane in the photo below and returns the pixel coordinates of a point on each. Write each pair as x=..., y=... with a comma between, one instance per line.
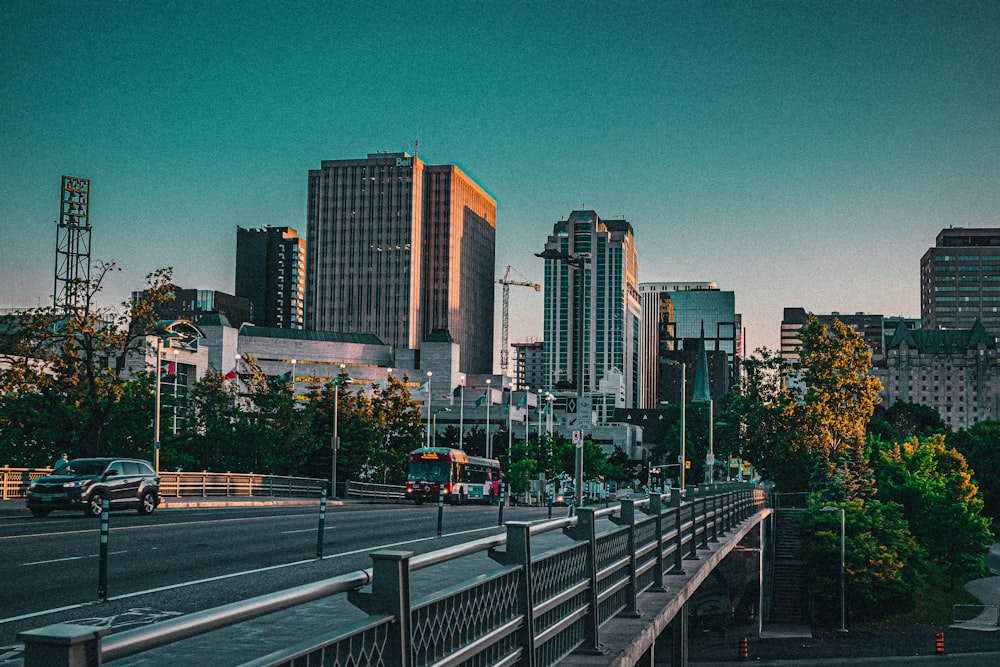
x=507, y=282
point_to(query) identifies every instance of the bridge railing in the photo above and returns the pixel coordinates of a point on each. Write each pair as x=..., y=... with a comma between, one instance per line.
x=534, y=609
x=14, y=483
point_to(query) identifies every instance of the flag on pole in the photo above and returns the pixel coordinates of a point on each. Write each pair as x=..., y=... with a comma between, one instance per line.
x=231, y=375
x=482, y=399
x=523, y=401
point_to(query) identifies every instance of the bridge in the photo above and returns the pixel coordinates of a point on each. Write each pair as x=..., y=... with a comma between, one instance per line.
x=598, y=588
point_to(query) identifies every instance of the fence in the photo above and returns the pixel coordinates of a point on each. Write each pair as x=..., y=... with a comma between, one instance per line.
x=534, y=609
x=377, y=491
x=14, y=484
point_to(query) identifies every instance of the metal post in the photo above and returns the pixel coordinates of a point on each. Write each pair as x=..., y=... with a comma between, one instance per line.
x=156, y=416
x=683, y=457
x=102, y=575
x=440, y=510
x=843, y=550
x=429, y=373
x=489, y=402
x=322, y=524
x=335, y=441
x=503, y=501
x=461, y=413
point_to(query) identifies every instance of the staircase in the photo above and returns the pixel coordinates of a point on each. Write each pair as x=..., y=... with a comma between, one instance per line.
x=787, y=590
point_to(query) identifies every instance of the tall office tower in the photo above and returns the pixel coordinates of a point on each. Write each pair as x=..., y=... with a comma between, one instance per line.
x=398, y=248
x=674, y=315
x=960, y=280
x=271, y=273
x=607, y=288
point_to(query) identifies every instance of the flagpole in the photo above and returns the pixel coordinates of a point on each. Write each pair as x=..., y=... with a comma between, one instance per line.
x=489, y=402
x=510, y=428
x=429, y=408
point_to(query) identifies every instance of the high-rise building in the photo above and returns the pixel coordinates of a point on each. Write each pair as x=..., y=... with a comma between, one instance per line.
x=602, y=275
x=674, y=318
x=399, y=248
x=960, y=280
x=876, y=330
x=271, y=273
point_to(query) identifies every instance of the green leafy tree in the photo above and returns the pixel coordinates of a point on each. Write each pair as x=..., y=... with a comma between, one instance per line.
x=904, y=420
x=980, y=445
x=840, y=398
x=884, y=564
x=65, y=379
x=940, y=501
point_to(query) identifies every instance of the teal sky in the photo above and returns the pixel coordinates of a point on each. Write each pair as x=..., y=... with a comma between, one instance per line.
x=798, y=153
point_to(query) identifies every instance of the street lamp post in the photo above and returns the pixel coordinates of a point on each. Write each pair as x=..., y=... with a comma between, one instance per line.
x=843, y=545
x=335, y=440
x=489, y=401
x=683, y=461
x=579, y=262
x=156, y=417
x=461, y=411
x=429, y=373
x=435, y=436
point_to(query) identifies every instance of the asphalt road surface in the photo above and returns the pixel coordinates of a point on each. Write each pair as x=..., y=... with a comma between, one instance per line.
x=180, y=561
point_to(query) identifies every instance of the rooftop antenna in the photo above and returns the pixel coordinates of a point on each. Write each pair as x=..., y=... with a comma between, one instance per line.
x=416, y=148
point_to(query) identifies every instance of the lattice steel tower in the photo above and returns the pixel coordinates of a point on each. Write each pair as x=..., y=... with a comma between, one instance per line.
x=73, y=245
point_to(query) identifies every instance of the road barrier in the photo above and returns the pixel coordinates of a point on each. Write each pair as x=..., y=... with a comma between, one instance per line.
x=377, y=491
x=14, y=484
x=534, y=609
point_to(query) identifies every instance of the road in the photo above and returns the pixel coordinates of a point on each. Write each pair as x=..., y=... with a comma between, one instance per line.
x=179, y=561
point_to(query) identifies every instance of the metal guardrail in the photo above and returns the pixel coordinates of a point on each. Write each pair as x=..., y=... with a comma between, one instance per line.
x=14, y=484
x=379, y=491
x=535, y=609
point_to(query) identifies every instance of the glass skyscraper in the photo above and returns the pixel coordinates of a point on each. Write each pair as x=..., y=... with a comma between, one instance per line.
x=606, y=287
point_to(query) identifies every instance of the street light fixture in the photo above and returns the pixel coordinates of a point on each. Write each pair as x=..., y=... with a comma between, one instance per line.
x=843, y=614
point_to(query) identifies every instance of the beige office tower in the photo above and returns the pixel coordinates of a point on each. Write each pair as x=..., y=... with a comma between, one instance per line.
x=399, y=249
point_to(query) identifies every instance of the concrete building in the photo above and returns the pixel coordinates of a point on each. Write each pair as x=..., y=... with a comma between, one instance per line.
x=955, y=371
x=399, y=249
x=607, y=287
x=529, y=366
x=271, y=274
x=674, y=318
x=960, y=280
x=191, y=304
x=871, y=327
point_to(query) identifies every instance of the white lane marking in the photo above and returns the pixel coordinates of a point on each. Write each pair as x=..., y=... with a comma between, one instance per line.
x=304, y=530
x=63, y=560
x=221, y=577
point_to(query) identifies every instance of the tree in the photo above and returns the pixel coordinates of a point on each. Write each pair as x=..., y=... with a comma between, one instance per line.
x=884, y=564
x=766, y=408
x=904, y=420
x=840, y=398
x=65, y=372
x=933, y=484
x=980, y=445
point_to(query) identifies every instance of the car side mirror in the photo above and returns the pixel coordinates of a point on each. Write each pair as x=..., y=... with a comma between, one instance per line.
x=110, y=473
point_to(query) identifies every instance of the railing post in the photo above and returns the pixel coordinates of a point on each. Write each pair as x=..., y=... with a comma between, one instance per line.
x=519, y=553
x=656, y=510
x=713, y=492
x=63, y=645
x=586, y=530
x=631, y=590
x=102, y=566
x=322, y=524
x=705, y=494
x=691, y=494
x=391, y=595
x=677, y=502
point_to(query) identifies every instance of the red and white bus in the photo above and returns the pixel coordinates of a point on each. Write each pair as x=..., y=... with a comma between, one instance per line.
x=435, y=470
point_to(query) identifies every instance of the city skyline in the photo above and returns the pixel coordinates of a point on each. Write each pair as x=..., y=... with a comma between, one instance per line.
x=796, y=154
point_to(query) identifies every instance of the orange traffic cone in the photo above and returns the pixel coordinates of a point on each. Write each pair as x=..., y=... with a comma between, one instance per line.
x=939, y=642
x=744, y=648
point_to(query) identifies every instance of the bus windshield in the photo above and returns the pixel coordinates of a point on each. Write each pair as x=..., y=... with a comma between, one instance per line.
x=429, y=471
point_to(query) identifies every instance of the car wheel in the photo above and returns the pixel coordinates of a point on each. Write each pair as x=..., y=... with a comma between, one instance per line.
x=147, y=503
x=95, y=505
x=39, y=513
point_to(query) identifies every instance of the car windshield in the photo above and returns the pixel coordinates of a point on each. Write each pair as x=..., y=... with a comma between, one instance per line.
x=81, y=467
